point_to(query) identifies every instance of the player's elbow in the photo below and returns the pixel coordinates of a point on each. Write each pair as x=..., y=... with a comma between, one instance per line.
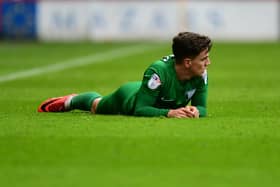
x=202, y=111
x=138, y=112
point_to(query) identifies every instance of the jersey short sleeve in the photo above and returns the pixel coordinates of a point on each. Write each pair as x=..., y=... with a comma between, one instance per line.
x=152, y=82
x=199, y=99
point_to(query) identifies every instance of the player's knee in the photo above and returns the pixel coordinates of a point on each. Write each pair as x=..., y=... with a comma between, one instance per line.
x=94, y=105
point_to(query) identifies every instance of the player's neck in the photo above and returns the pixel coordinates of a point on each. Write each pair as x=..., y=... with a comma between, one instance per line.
x=182, y=72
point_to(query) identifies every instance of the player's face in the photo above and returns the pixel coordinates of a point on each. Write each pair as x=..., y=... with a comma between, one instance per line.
x=199, y=63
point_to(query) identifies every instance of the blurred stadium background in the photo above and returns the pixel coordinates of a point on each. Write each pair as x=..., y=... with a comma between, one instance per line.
x=56, y=47
x=122, y=20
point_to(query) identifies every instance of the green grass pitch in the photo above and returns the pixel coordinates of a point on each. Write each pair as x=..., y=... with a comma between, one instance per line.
x=238, y=144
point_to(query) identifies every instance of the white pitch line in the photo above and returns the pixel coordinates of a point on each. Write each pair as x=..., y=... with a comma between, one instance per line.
x=77, y=62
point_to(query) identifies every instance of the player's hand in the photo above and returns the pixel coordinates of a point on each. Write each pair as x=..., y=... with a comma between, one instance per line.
x=182, y=112
x=192, y=111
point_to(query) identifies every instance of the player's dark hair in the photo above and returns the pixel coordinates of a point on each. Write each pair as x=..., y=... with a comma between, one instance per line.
x=189, y=45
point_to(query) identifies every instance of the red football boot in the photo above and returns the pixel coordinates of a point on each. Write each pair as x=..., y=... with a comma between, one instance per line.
x=56, y=104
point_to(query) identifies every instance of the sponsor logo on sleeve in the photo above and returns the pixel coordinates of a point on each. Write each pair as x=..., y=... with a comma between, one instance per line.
x=154, y=82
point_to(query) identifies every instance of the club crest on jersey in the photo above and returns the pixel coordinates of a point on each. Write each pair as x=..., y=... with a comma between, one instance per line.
x=154, y=82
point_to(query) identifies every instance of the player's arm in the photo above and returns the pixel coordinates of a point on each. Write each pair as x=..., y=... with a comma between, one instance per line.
x=199, y=99
x=147, y=97
x=148, y=94
x=144, y=107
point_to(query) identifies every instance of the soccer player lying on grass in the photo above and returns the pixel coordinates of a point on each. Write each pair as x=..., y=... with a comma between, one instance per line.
x=167, y=87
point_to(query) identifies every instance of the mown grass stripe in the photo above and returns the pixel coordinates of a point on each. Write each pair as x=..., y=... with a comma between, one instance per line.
x=78, y=62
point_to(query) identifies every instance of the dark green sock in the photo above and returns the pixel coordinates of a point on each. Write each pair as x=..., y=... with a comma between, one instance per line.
x=83, y=101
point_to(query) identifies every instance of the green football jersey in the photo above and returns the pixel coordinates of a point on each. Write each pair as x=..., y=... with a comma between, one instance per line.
x=161, y=90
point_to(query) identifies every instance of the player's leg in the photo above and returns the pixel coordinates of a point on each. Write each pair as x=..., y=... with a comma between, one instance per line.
x=109, y=104
x=84, y=101
x=119, y=102
x=70, y=102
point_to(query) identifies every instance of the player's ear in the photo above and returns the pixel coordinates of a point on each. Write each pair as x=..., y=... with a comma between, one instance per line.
x=187, y=62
